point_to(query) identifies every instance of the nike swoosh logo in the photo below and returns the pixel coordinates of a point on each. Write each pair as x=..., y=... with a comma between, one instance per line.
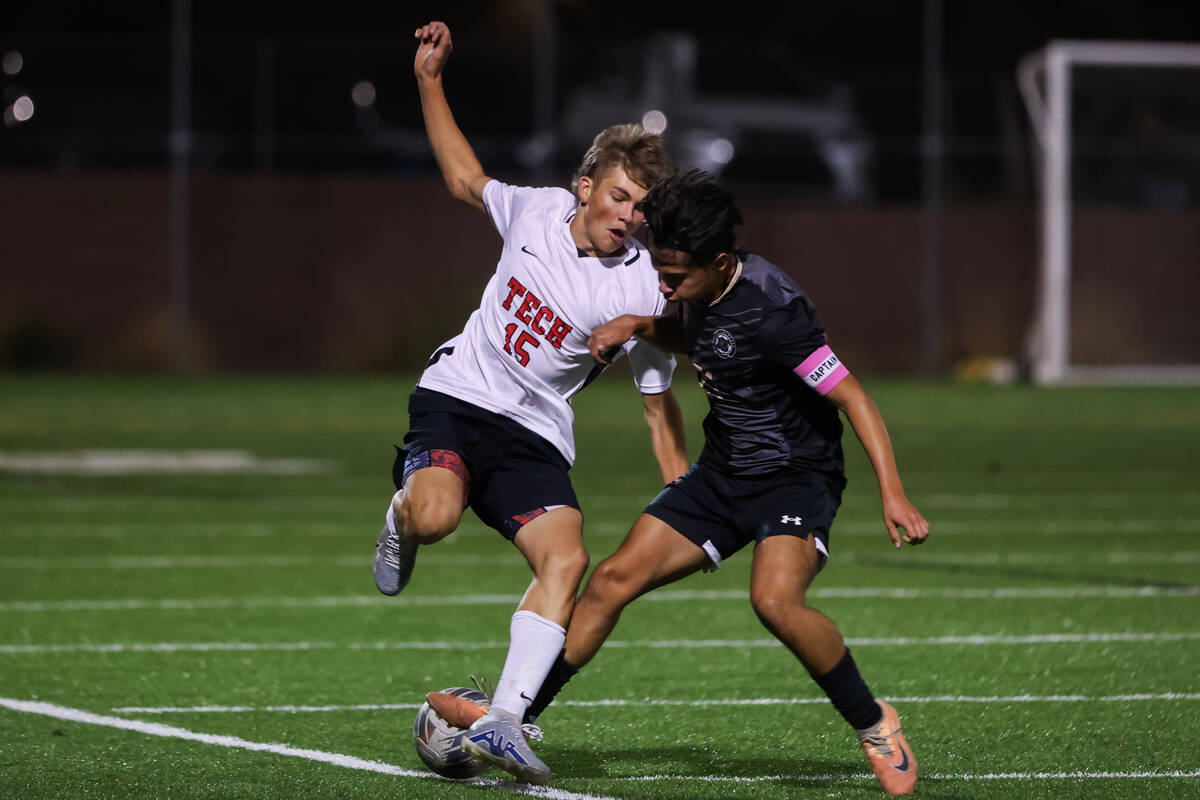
x=525, y=249
x=526, y=697
x=903, y=765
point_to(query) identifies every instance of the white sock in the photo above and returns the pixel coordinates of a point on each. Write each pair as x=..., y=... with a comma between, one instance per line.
x=534, y=644
x=390, y=518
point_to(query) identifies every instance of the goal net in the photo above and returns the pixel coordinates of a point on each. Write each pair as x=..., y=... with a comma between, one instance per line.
x=1118, y=124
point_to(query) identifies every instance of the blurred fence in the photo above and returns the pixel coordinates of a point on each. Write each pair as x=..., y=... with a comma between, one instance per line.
x=367, y=273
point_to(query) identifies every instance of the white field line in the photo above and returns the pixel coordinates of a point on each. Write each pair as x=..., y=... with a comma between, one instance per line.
x=1069, y=527
x=1023, y=499
x=1019, y=593
x=1017, y=498
x=895, y=641
x=244, y=561
x=753, y=701
x=979, y=529
x=990, y=776
x=1035, y=558
x=352, y=762
x=1023, y=558
x=327, y=506
x=635, y=500
x=233, y=530
x=149, y=462
x=336, y=759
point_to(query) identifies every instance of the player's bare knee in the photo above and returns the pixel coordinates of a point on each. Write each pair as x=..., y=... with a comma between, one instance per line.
x=578, y=563
x=773, y=606
x=427, y=522
x=565, y=568
x=612, y=580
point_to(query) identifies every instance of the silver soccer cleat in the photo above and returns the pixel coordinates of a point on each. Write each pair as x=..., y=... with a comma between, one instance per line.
x=395, y=555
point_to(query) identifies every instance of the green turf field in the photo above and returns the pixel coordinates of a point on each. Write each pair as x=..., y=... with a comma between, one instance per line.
x=211, y=629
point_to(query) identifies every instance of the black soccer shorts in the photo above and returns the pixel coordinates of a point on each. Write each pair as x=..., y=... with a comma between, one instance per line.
x=723, y=513
x=512, y=474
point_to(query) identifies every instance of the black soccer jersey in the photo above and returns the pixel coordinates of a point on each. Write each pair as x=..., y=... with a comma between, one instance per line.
x=762, y=361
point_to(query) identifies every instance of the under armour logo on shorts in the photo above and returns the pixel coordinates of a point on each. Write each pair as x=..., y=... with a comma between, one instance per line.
x=793, y=520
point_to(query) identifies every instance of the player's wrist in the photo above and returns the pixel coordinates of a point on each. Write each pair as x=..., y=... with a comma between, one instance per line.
x=641, y=325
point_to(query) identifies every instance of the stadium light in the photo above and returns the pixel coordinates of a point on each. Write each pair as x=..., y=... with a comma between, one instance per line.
x=22, y=108
x=654, y=121
x=363, y=94
x=13, y=62
x=720, y=151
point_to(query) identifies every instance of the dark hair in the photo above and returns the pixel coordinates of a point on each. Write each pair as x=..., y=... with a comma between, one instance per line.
x=690, y=213
x=637, y=151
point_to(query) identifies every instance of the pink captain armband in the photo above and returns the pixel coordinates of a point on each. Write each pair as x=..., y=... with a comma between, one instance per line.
x=822, y=370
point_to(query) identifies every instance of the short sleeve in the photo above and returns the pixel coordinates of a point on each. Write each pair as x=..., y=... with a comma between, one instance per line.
x=794, y=337
x=791, y=333
x=505, y=203
x=652, y=368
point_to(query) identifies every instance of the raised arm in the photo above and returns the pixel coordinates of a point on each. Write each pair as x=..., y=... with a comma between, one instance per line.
x=667, y=435
x=853, y=401
x=460, y=168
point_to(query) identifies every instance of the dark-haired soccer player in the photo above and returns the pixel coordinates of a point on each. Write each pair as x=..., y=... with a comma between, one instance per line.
x=491, y=420
x=771, y=471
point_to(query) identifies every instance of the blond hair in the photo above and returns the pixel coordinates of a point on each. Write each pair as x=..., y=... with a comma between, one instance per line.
x=640, y=153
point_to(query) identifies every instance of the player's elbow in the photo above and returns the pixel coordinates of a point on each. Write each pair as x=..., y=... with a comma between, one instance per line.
x=849, y=397
x=465, y=185
x=460, y=190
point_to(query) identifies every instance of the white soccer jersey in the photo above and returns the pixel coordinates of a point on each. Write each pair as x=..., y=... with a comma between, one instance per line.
x=523, y=352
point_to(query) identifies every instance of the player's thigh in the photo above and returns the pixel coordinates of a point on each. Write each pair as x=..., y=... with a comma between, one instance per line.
x=783, y=567
x=432, y=504
x=523, y=480
x=653, y=554
x=552, y=543
x=792, y=518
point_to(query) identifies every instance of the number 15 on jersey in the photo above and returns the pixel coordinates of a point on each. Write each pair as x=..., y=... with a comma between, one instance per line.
x=517, y=349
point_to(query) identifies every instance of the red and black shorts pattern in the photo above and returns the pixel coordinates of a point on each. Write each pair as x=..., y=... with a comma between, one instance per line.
x=512, y=475
x=438, y=457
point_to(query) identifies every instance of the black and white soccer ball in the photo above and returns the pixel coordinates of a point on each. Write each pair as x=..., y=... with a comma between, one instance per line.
x=439, y=744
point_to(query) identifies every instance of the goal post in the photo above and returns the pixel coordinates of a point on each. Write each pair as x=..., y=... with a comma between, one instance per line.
x=1053, y=92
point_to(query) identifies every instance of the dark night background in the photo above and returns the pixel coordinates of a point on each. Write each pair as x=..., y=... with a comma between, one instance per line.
x=313, y=194
x=99, y=74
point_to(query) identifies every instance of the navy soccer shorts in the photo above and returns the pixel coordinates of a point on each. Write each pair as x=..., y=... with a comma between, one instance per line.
x=723, y=513
x=512, y=475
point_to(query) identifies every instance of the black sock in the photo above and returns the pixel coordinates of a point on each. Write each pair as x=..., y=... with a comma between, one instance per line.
x=559, y=674
x=850, y=694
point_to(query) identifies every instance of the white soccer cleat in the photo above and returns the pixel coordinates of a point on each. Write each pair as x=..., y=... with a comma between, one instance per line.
x=498, y=738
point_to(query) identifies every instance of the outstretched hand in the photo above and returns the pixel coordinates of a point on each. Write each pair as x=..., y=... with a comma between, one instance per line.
x=898, y=513
x=433, y=50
